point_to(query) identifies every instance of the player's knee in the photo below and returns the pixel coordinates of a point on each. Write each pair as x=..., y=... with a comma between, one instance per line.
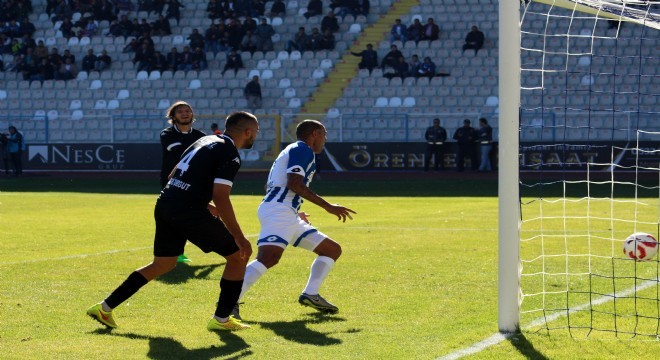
x=269, y=259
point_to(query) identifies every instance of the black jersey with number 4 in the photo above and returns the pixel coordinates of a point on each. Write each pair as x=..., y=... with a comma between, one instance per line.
x=173, y=143
x=211, y=159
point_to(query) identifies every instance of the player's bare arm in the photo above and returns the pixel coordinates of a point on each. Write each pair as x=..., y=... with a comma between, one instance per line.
x=296, y=184
x=225, y=211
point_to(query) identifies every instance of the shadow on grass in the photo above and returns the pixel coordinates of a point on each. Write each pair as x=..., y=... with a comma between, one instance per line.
x=184, y=272
x=525, y=348
x=168, y=348
x=299, y=332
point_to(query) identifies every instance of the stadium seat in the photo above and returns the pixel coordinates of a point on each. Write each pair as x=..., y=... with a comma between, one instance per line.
x=100, y=105
x=394, y=102
x=52, y=115
x=77, y=115
x=409, y=102
x=275, y=64
x=142, y=75
x=95, y=85
x=163, y=104
x=154, y=75
x=326, y=64
x=289, y=93
x=294, y=103
x=492, y=101
x=194, y=84
x=381, y=102
x=333, y=113
x=267, y=74
x=75, y=104
x=253, y=73
x=123, y=94
x=3, y=94
x=82, y=75
x=284, y=83
x=39, y=115
x=355, y=28
x=113, y=104
x=295, y=55
x=318, y=74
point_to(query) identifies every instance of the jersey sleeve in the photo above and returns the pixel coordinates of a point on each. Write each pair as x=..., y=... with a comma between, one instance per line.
x=227, y=169
x=169, y=140
x=299, y=160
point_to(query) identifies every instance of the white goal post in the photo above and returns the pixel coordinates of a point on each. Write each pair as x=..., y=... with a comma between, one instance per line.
x=578, y=73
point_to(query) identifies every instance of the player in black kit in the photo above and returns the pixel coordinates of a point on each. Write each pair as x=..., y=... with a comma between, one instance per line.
x=175, y=139
x=205, y=172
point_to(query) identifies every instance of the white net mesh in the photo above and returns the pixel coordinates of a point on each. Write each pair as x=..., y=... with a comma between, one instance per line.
x=590, y=173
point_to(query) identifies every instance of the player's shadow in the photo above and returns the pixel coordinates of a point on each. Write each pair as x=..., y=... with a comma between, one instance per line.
x=525, y=348
x=162, y=348
x=184, y=272
x=299, y=332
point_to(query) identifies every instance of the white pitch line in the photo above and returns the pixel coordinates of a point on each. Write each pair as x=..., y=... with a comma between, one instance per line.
x=80, y=256
x=499, y=337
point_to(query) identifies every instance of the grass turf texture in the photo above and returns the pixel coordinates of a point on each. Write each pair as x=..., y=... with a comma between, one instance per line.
x=417, y=280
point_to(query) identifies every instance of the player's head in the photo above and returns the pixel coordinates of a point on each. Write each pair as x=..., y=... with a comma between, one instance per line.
x=483, y=121
x=214, y=127
x=243, y=127
x=180, y=113
x=313, y=133
x=436, y=122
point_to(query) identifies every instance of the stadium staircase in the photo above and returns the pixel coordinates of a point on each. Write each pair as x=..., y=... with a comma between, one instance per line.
x=347, y=67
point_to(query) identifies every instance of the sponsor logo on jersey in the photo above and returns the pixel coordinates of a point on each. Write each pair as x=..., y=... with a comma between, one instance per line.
x=237, y=159
x=179, y=184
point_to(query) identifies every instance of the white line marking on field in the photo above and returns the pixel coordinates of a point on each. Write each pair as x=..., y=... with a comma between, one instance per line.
x=499, y=337
x=80, y=256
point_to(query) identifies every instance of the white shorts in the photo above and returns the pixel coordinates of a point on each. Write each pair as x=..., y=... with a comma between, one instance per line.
x=281, y=226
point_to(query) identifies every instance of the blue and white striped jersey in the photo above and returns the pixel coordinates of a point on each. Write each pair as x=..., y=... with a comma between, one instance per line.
x=297, y=158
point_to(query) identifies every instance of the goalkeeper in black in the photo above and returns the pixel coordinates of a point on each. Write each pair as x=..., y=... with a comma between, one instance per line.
x=183, y=213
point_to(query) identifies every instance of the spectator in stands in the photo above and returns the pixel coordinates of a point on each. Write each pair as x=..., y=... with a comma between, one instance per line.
x=67, y=28
x=196, y=40
x=26, y=27
x=234, y=61
x=173, y=60
x=369, y=58
x=252, y=93
x=328, y=41
x=398, y=32
x=211, y=39
x=143, y=57
x=5, y=44
x=17, y=64
x=431, y=31
x=236, y=34
x=50, y=7
x=89, y=30
x=217, y=9
x=277, y=9
x=55, y=58
x=4, y=152
x=264, y=33
x=199, y=59
x=465, y=137
x=474, y=40
x=123, y=6
x=68, y=70
x=2, y=65
x=114, y=29
x=314, y=8
x=329, y=22
x=485, y=133
x=413, y=65
x=249, y=42
x=343, y=7
x=68, y=55
x=89, y=61
x=314, y=40
x=174, y=10
x=400, y=69
x=435, y=137
x=145, y=5
x=361, y=7
x=391, y=58
x=103, y=61
x=144, y=27
x=414, y=31
x=258, y=8
x=159, y=5
x=299, y=41
x=186, y=63
x=41, y=51
x=426, y=68
x=62, y=11
x=159, y=62
x=131, y=47
x=215, y=130
x=46, y=70
x=161, y=27
x=104, y=10
x=29, y=68
x=126, y=27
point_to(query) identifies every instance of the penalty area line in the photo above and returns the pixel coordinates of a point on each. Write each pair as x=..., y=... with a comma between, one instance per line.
x=499, y=337
x=81, y=256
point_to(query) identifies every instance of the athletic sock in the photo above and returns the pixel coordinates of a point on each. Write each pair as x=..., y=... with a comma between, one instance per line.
x=129, y=287
x=253, y=272
x=229, y=292
x=320, y=269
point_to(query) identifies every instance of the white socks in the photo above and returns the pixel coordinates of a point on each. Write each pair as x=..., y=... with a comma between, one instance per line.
x=253, y=272
x=320, y=269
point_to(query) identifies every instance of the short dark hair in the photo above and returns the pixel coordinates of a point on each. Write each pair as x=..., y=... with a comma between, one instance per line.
x=238, y=119
x=214, y=126
x=483, y=120
x=306, y=127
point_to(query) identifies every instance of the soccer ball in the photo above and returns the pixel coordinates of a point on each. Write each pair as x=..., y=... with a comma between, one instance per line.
x=640, y=246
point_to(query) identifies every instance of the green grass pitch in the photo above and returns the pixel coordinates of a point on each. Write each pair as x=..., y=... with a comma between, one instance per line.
x=417, y=279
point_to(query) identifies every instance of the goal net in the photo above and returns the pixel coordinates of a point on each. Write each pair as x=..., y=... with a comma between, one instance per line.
x=589, y=166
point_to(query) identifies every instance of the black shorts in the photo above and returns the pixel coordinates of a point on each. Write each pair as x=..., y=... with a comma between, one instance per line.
x=176, y=224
